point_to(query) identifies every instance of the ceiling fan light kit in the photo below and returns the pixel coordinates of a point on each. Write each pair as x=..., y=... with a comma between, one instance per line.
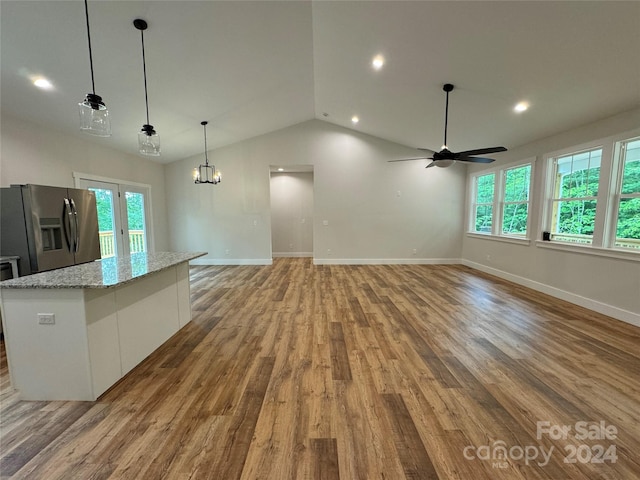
x=148, y=138
x=445, y=157
x=94, y=116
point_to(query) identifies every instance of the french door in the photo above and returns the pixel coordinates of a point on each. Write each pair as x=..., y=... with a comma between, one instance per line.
x=123, y=214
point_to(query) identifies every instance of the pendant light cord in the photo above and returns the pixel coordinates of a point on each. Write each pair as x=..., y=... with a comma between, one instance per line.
x=206, y=158
x=144, y=72
x=86, y=11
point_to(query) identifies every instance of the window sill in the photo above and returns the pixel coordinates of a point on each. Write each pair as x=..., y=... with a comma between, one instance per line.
x=590, y=250
x=500, y=238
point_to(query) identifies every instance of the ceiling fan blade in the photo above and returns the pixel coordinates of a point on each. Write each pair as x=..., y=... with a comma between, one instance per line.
x=475, y=159
x=407, y=159
x=432, y=164
x=426, y=149
x=480, y=151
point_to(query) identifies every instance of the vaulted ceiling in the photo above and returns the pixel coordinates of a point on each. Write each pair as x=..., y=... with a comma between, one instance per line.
x=253, y=67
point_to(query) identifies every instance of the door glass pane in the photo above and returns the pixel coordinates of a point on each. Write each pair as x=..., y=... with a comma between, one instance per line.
x=106, y=223
x=136, y=221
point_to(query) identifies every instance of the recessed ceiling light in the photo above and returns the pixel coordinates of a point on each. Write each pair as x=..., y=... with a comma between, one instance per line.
x=355, y=119
x=43, y=83
x=521, y=107
x=377, y=62
x=281, y=169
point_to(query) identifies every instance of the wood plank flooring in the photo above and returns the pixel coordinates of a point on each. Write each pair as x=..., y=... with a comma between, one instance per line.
x=296, y=371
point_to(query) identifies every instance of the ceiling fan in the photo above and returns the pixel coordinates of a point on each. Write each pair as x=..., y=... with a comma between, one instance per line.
x=445, y=157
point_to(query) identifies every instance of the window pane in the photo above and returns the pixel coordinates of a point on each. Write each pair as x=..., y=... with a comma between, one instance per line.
x=106, y=223
x=631, y=173
x=574, y=217
x=484, y=217
x=628, y=228
x=135, y=218
x=578, y=174
x=516, y=184
x=485, y=188
x=514, y=219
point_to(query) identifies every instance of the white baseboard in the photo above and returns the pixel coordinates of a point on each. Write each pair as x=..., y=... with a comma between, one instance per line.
x=386, y=261
x=231, y=261
x=604, y=308
x=293, y=254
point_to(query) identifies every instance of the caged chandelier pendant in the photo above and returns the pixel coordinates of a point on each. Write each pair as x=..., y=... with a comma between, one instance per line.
x=206, y=173
x=94, y=116
x=148, y=138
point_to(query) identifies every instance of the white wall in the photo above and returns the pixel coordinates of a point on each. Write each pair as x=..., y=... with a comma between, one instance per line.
x=31, y=153
x=292, y=214
x=605, y=284
x=376, y=212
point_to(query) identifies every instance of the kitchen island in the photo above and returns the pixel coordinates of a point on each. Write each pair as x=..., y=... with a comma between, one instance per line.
x=72, y=333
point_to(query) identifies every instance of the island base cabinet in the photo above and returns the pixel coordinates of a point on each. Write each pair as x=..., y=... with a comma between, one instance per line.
x=47, y=361
x=98, y=336
x=103, y=339
x=148, y=315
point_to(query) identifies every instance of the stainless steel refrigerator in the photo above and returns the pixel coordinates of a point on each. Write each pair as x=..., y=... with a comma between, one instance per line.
x=48, y=227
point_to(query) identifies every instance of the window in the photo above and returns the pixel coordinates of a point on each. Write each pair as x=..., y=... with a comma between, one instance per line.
x=515, y=210
x=627, y=232
x=501, y=202
x=483, y=207
x=575, y=190
x=593, y=197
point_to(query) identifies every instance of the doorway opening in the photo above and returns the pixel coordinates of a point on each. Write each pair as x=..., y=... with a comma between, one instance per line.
x=291, y=211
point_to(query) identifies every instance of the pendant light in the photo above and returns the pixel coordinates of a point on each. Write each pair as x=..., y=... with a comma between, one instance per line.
x=94, y=116
x=206, y=173
x=148, y=138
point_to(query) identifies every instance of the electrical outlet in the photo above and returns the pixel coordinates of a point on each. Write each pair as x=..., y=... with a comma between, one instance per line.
x=227, y=252
x=46, y=319
x=415, y=252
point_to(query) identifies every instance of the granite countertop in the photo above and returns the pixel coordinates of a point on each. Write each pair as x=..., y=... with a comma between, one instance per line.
x=105, y=273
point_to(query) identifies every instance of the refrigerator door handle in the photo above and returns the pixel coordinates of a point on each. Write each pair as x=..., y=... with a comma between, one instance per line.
x=67, y=223
x=76, y=235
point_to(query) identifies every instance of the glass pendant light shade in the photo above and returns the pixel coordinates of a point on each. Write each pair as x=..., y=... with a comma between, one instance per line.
x=148, y=138
x=149, y=141
x=94, y=116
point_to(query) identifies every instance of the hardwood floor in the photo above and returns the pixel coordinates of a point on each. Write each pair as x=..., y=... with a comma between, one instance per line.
x=296, y=371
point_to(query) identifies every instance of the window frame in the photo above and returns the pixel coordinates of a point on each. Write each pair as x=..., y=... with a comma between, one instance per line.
x=475, y=204
x=552, y=197
x=499, y=202
x=504, y=203
x=607, y=199
x=616, y=192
